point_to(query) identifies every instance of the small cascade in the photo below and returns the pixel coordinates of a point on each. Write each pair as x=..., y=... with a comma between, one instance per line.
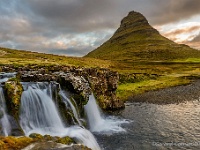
x=39, y=115
x=5, y=124
x=98, y=123
x=38, y=112
x=4, y=121
x=5, y=76
x=69, y=104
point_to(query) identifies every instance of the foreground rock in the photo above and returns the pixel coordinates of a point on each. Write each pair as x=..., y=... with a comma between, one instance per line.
x=39, y=142
x=54, y=146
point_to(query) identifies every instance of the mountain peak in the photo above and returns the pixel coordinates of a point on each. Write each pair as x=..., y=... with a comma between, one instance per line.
x=133, y=17
x=136, y=39
x=134, y=23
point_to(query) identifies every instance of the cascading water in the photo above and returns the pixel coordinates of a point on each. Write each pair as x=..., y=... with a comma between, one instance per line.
x=68, y=103
x=5, y=124
x=5, y=76
x=4, y=121
x=39, y=115
x=38, y=112
x=98, y=123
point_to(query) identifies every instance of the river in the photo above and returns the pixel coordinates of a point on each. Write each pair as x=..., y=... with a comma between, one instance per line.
x=155, y=127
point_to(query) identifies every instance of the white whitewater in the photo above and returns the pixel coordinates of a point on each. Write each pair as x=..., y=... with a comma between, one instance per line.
x=5, y=124
x=68, y=103
x=99, y=123
x=39, y=115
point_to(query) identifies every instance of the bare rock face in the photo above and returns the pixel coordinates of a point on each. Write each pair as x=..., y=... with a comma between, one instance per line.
x=75, y=83
x=104, y=84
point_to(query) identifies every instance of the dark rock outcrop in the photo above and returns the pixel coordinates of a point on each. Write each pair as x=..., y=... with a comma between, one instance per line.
x=81, y=81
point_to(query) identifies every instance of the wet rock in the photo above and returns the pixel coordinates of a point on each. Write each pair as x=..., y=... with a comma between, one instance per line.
x=15, y=127
x=104, y=84
x=78, y=83
x=13, y=92
x=77, y=80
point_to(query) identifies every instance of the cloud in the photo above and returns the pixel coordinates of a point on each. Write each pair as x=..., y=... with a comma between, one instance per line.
x=175, y=10
x=182, y=31
x=195, y=42
x=67, y=25
x=197, y=38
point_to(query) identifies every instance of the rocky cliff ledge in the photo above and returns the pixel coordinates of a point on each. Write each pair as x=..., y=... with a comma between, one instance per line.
x=82, y=81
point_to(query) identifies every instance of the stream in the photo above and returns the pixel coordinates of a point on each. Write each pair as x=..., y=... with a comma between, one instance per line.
x=140, y=126
x=156, y=127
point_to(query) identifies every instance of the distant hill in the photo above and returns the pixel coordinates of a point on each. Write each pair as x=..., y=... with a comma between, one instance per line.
x=23, y=58
x=136, y=40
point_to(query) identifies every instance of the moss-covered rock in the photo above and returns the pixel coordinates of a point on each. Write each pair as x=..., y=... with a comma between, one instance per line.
x=46, y=141
x=13, y=92
x=36, y=136
x=13, y=143
x=65, y=140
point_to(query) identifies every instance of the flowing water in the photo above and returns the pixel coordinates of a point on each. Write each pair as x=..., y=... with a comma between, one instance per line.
x=4, y=121
x=157, y=127
x=70, y=105
x=5, y=124
x=39, y=114
x=98, y=122
x=5, y=76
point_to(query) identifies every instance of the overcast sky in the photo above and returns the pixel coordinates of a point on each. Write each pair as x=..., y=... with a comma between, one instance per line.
x=75, y=27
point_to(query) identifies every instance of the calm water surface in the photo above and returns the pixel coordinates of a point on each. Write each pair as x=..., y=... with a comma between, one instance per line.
x=156, y=127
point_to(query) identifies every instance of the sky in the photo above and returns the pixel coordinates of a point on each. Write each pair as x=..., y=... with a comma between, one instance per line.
x=76, y=27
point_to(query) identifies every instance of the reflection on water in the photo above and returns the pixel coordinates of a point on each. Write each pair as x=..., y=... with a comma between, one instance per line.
x=157, y=127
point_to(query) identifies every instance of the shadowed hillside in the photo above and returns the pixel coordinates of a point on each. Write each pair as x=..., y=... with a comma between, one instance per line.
x=136, y=40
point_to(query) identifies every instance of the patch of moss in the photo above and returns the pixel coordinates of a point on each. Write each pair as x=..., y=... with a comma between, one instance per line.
x=13, y=92
x=36, y=136
x=13, y=143
x=65, y=140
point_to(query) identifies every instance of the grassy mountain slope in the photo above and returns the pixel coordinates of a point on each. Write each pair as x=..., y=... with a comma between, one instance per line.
x=145, y=59
x=136, y=40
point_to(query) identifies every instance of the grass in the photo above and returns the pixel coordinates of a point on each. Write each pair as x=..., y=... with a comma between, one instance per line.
x=136, y=77
x=126, y=90
x=23, y=58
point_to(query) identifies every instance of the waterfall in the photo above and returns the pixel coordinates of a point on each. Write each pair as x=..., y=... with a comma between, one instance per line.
x=68, y=103
x=4, y=121
x=99, y=123
x=38, y=114
x=5, y=76
x=5, y=124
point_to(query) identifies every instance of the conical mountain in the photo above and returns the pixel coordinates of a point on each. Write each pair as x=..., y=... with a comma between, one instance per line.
x=136, y=39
